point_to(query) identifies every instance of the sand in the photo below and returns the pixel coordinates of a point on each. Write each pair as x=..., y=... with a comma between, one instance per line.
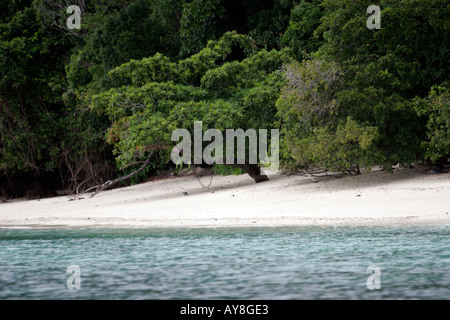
x=406, y=197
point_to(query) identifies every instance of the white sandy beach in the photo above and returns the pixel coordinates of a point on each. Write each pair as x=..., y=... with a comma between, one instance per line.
x=407, y=197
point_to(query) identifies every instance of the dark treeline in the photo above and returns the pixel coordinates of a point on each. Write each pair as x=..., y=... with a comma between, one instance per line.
x=82, y=106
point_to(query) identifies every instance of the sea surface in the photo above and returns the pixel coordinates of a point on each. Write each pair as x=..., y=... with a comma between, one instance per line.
x=408, y=262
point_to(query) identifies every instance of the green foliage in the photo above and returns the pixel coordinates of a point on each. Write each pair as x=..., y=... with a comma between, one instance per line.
x=304, y=20
x=436, y=107
x=197, y=24
x=147, y=67
x=141, y=29
x=268, y=25
x=127, y=36
x=162, y=96
x=225, y=170
x=31, y=78
x=315, y=129
x=41, y=128
x=310, y=94
x=348, y=145
x=263, y=20
x=380, y=73
x=412, y=46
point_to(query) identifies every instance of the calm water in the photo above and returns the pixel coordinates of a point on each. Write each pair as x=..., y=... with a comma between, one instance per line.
x=238, y=263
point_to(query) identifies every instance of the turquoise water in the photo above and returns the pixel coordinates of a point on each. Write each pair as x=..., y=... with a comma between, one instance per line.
x=236, y=263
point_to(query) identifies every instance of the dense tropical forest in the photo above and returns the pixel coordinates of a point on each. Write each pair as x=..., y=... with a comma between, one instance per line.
x=82, y=106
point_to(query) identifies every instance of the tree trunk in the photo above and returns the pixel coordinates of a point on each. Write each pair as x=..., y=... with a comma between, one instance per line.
x=253, y=171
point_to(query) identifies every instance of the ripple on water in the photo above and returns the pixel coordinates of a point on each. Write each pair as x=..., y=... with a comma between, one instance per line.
x=228, y=263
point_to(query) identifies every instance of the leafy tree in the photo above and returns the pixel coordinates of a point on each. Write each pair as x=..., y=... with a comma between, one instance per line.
x=268, y=25
x=263, y=20
x=41, y=137
x=300, y=35
x=380, y=72
x=197, y=24
x=314, y=130
x=31, y=73
x=355, y=98
x=349, y=145
x=436, y=107
x=141, y=29
x=162, y=96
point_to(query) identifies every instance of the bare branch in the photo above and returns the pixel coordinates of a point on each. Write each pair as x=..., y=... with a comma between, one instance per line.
x=108, y=184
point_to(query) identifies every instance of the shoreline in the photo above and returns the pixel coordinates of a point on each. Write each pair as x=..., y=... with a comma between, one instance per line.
x=406, y=197
x=324, y=224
